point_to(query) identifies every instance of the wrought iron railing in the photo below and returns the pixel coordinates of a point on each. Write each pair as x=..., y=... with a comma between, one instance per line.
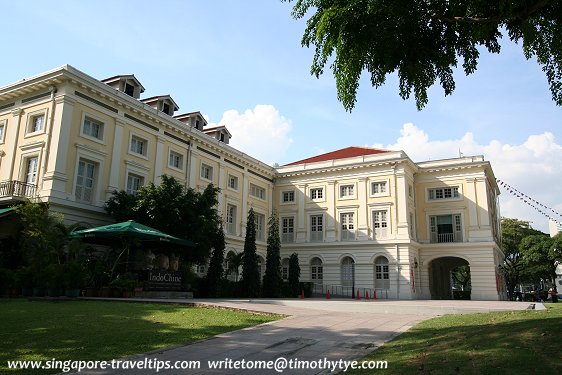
x=17, y=189
x=341, y=291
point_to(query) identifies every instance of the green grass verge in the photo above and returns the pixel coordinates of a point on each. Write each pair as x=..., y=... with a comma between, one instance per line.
x=522, y=342
x=90, y=330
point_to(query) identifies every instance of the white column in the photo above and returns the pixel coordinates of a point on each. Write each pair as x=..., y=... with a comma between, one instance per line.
x=401, y=200
x=11, y=138
x=56, y=175
x=158, y=160
x=331, y=212
x=362, y=222
x=244, y=211
x=222, y=186
x=116, y=157
x=301, y=219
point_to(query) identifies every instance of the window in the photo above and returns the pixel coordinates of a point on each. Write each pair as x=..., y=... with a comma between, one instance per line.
x=129, y=90
x=285, y=269
x=347, y=191
x=231, y=219
x=2, y=130
x=380, y=223
x=347, y=227
x=31, y=170
x=287, y=229
x=233, y=182
x=443, y=193
x=257, y=191
x=206, y=172
x=347, y=272
x=166, y=108
x=134, y=183
x=92, y=128
x=378, y=188
x=85, y=181
x=316, y=226
x=201, y=268
x=260, y=227
x=317, y=193
x=412, y=227
x=316, y=270
x=382, y=279
x=288, y=196
x=176, y=160
x=36, y=123
x=445, y=228
x=138, y=145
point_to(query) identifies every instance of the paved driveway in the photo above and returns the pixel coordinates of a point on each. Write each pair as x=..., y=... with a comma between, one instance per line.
x=314, y=330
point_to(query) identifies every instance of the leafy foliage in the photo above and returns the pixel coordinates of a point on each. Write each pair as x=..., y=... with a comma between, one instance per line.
x=250, y=273
x=215, y=274
x=234, y=261
x=173, y=209
x=294, y=274
x=272, y=280
x=423, y=41
x=536, y=260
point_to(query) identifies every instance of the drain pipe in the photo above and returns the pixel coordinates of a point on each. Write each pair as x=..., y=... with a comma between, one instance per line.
x=397, y=271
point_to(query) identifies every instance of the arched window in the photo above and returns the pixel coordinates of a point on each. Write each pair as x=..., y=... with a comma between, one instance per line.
x=316, y=271
x=347, y=271
x=382, y=277
x=285, y=269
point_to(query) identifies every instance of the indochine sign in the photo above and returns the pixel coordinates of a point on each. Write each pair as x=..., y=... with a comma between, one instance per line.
x=163, y=280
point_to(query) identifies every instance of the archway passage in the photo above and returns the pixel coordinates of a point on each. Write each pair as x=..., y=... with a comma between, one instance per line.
x=441, y=278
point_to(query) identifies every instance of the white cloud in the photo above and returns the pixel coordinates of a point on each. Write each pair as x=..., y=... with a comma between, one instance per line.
x=532, y=167
x=262, y=133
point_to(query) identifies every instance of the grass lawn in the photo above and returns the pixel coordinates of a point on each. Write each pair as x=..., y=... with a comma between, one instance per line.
x=90, y=330
x=523, y=342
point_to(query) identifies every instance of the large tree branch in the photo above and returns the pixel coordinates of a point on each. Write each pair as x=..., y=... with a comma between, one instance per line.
x=521, y=14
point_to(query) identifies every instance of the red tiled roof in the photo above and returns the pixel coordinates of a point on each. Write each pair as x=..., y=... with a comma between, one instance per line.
x=347, y=152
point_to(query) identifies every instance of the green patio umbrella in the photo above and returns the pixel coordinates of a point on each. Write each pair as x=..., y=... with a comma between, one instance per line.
x=128, y=230
x=127, y=233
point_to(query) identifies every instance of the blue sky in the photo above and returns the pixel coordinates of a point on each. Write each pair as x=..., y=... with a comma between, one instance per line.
x=242, y=65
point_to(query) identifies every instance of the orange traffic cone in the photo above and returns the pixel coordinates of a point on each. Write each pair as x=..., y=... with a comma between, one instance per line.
x=358, y=297
x=328, y=294
x=302, y=293
x=366, y=295
x=375, y=294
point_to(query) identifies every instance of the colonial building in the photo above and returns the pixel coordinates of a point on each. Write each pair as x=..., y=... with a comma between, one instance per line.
x=357, y=217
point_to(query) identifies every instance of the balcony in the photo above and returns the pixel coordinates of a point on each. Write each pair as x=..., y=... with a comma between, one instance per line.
x=445, y=237
x=17, y=189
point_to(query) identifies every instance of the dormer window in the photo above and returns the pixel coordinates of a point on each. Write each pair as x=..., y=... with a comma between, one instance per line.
x=127, y=84
x=166, y=108
x=163, y=103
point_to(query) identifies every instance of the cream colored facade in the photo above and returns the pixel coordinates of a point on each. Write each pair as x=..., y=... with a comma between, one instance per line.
x=378, y=222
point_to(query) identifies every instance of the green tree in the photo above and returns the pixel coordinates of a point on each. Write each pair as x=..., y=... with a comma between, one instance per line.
x=234, y=261
x=424, y=41
x=215, y=273
x=250, y=273
x=294, y=275
x=173, y=209
x=272, y=280
x=536, y=259
x=513, y=232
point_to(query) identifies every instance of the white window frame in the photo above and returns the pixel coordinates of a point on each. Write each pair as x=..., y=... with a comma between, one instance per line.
x=457, y=222
x=289, y=195
x=316, y=228
x=26, y=172
x=342, y=188
x=235, y=185
x=382, y=273
x=260, y=226
x=380, y=222
x=83, y=186
x=316, y=270
x=206, y=172
x=97, y=121
x=287, y=231
x=231, y=219
x=97, y=157
x=138, y=138
x=130, y=177
x=257, y=191
x=347, y=233
x=30, y=122
x=439, y=194
x=376, y=185
x=285, y=269
x=177, y=155
x=317, y=194
x=347, y=271
x=3, y=127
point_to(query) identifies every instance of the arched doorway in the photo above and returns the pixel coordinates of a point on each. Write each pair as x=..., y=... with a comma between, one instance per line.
x=441, y=281
x=382, y=274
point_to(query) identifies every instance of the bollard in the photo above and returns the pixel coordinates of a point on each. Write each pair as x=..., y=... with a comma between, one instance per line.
x=374, y=294
x=328, y=295
x=358, y=297
x=302, y=293
x=366, y=295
